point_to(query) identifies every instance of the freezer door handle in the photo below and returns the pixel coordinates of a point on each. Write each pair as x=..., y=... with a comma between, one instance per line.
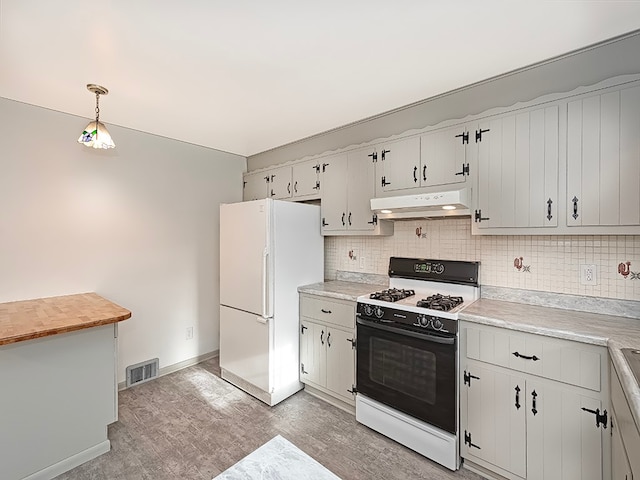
x=265, y=284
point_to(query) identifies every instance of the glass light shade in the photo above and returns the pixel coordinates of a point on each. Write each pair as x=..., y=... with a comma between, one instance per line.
x=96, y=135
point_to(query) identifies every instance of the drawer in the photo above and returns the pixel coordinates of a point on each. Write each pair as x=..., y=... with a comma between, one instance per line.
x=626, y=425
x=331, y=311
x=556, y=359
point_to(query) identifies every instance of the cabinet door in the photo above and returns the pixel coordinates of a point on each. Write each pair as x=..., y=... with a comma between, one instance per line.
x=443, y=157
x=495, y=418
x=603, y=159
x=254, y=186
x=518, y=170
x=397, y=166
x=333, y=206
x=340, y=362
x=620, y=467
x=306, y=179
x=313, y=353
x=360, y=191
x=562, y=438
x=280, y=183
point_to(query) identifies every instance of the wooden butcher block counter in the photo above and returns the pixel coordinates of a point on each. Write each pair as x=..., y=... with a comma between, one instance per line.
x=58, y=383
x=29, y=319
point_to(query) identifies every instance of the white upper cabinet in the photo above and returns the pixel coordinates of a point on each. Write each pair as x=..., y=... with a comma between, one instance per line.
x=517, y=177
x=603, y=159
x=280, y=183
x=347, y=189
x=443, y=159
x=255, y=186
x=437, y=158
x=360, y=191
x=396, y=165
x=306, y=180
x=334, y=207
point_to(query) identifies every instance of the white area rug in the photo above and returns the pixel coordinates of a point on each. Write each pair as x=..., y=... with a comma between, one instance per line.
x=277, y=459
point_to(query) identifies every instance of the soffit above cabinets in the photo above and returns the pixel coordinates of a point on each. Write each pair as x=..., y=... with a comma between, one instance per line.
x=246, y=77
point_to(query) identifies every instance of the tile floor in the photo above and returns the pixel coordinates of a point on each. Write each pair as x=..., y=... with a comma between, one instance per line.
x=191, y=424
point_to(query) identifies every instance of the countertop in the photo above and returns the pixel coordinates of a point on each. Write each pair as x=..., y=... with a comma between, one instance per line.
x=42, y=317
x=597, y=329
x=341, y=289
x=609, y=331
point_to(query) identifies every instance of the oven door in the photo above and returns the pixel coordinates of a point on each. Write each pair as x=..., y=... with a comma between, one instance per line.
x=413, y=372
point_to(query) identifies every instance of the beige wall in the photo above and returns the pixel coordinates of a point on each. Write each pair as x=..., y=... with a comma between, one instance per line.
x=553, y=261
x=138, y=225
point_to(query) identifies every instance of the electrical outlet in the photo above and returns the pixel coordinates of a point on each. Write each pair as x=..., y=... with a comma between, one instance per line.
x=362, y=262
x=588, y=275
x=189, y=334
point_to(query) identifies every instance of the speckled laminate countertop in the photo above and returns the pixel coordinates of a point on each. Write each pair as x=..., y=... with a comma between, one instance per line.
x=42, y=317
x=340, y=289
x=612, y=332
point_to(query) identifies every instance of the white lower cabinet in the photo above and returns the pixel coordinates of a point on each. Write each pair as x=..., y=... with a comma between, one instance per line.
x=625, y=435
x=620, y=466
x=526, y=425
x=327, y=356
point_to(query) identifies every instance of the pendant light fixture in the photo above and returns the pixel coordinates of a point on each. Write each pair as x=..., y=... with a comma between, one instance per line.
x=95, y=134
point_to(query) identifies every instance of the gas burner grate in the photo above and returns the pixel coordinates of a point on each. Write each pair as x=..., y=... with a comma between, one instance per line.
x=444, y=303
x=392, y=294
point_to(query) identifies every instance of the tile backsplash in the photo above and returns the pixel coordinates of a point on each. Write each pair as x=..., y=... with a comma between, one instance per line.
x=548, y=263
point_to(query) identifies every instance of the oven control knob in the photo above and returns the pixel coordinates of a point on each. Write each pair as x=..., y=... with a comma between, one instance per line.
x=423, y=320
x=378, y=312
x=368, y=310
x=437, y=324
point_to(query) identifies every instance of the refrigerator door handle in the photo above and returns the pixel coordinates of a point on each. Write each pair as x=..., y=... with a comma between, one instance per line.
x=265, y=283
x=262, y=320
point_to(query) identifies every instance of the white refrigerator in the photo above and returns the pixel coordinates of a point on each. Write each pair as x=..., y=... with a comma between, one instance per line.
x=268, y=248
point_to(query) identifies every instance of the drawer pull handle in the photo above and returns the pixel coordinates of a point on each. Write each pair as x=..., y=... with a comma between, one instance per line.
x=534, y=402
x=526, y=357
x=325, y=311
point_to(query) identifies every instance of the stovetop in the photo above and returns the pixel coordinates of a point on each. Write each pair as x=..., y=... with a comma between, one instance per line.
x=392, y=294
x=423, y=294
x=441, y=302
x=422, y=291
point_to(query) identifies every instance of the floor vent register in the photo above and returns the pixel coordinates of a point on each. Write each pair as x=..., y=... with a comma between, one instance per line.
x=142, y=372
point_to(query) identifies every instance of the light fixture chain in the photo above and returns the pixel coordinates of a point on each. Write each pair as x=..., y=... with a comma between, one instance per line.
x=97, y=108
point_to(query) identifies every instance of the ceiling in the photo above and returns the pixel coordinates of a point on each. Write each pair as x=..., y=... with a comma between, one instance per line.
x=249, y=76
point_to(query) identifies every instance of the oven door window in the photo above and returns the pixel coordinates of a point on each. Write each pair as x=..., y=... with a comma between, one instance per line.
x=414, y=375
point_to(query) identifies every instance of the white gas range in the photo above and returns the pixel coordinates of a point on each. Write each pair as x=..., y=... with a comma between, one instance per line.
x=407, y=356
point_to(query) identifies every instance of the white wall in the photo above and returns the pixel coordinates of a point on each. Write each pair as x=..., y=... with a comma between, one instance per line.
x=553, y=260
x=139, y=225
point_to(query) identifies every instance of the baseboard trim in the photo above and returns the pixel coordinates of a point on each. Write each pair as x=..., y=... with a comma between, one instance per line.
x=178, y=366
x=336, y=402
x=482, y=471
x=71, y=462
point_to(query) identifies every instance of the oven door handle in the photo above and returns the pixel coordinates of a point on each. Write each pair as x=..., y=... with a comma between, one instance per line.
x=421, y=336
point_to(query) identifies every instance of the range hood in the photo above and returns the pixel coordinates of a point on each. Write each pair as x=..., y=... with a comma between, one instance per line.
x=423, y=205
